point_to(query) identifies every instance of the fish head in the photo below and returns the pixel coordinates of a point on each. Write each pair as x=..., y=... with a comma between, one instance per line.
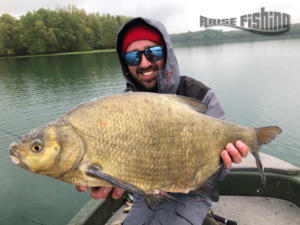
x=52, y=150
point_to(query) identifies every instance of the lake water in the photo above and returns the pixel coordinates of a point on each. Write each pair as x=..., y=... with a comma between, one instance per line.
x=257, y=83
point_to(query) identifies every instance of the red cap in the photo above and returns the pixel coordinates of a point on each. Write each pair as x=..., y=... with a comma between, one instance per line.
x=141, y=32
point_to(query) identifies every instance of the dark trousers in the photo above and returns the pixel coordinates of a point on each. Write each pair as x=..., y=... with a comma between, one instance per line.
x=193, y=211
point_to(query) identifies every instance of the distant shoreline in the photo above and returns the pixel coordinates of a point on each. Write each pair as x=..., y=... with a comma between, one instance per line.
x=176, y=45
x=217, y=42
x=212, y=36
x=59, y=54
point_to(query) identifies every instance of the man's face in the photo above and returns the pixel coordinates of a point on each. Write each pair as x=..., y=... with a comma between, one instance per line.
x=146, y=72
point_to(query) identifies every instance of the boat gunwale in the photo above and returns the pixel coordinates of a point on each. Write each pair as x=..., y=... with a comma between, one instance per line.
x=241, y=180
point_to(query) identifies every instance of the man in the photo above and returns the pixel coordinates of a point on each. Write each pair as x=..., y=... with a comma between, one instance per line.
x=149, y=64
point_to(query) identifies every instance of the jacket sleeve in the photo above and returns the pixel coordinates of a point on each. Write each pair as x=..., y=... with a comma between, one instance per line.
x=195, y=89
x=213, y=106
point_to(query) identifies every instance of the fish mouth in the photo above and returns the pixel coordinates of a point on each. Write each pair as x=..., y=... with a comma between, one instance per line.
x=15, y=158
x=13, y=155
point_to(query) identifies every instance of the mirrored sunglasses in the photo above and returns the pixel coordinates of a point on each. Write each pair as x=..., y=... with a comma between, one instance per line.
x=152, y=54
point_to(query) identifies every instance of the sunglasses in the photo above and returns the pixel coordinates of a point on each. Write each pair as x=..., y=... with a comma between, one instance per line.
x=152, y=54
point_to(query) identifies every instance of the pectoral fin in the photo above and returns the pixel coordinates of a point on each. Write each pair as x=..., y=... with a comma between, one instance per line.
x=96, y=171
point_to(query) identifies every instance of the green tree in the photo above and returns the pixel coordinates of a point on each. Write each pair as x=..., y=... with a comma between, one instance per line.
x=10, y=36
x=51, y=31
x=109, y=30
x=37, y=37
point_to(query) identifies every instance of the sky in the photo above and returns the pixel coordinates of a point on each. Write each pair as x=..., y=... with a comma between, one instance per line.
x=177, y=15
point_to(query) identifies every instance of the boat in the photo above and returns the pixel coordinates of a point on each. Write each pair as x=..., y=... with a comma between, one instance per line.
x=242, y=197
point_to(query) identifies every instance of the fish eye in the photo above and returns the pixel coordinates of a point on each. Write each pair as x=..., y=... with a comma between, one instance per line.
x=37, y=146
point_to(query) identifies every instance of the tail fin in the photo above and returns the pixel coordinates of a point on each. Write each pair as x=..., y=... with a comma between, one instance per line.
x=264, y=136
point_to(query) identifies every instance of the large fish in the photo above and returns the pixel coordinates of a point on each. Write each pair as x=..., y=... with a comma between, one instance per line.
x=150, y=144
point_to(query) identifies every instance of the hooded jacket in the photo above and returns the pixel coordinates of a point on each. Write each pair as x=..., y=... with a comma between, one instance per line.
x=168, y=79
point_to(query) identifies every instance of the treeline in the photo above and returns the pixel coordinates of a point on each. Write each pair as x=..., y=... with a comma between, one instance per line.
x=51, y=31
x=211, y=36
x=67, y=30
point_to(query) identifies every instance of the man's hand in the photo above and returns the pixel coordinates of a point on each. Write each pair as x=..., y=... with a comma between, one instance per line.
x=234, y=153
x=101, y=192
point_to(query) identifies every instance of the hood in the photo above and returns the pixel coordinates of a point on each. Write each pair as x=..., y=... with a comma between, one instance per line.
x=168, y=78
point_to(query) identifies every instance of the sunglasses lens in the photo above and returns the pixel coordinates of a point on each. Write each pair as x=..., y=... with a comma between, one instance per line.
x=132, y=58
x=154, y=53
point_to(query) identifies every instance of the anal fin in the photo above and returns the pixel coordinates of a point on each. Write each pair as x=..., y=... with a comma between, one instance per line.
x=210, y=187
x=152, y=200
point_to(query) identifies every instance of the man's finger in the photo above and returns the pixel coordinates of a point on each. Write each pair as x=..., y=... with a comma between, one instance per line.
x=117, y=193
x=242, y=147
x=234, y=153
x=100, y=192
x=226, y=159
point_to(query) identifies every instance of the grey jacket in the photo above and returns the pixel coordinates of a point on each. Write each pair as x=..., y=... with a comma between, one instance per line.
x=169, y=81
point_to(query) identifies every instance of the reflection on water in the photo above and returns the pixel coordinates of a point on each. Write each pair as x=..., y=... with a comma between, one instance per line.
x=38, y=89
x=34, y=91
x=257, y=84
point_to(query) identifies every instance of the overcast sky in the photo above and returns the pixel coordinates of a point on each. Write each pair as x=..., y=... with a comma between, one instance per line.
x=177, y=15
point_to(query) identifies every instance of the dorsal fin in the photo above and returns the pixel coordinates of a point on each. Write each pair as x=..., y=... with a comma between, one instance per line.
x=193, y=103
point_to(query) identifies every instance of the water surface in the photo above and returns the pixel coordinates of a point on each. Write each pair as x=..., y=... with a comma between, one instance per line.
x=257, y=84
